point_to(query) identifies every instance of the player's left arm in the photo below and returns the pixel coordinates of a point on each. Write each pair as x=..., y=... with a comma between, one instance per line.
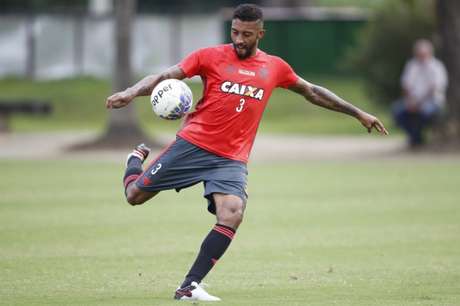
x=143, y=88
x=325, y=98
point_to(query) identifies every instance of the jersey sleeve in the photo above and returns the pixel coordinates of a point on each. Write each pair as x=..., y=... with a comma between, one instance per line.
x=192, y=64
x=286, y=75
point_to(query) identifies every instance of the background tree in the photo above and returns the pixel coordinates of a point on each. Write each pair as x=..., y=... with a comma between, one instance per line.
x=448, y=12
x=386, y=44
x=123, y=127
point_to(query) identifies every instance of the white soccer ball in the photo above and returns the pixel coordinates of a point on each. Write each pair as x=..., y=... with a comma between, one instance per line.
x=171, y=99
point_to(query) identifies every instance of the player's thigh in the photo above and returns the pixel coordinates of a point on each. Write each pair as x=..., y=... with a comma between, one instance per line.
x=175, y=168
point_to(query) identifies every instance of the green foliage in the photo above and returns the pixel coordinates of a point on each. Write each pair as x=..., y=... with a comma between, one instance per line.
x=316, y=233
x=77, y=103
x=386, y=44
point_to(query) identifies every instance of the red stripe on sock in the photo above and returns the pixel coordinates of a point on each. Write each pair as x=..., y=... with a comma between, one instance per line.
x=224, y=231
x=214, y=261
x=219, y=230
x=229, y=231
x=140, y=153
x=130, y=179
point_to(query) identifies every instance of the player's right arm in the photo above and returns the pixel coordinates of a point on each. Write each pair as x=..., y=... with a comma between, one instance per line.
x=325, y=98
x=143, y=88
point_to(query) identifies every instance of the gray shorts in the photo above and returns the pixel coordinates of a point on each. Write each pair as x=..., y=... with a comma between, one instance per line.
x=182, y=164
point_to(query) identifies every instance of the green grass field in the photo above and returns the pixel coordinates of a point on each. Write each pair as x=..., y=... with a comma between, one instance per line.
x=315, y=233
x=79, y=104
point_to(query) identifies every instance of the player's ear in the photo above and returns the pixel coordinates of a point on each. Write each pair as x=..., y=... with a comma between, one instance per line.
x=261, y=34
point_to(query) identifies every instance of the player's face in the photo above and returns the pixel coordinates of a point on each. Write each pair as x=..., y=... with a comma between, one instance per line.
x=245, y=36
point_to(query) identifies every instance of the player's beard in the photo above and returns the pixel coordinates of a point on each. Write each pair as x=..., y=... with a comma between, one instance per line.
x=244, y=51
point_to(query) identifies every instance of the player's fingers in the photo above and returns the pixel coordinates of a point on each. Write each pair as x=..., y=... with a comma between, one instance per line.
x=108, y=103
x=379, y=127
x=382, y=128
x=115, y=105
x=115, y=101
x=385, y=132
x=111, y=101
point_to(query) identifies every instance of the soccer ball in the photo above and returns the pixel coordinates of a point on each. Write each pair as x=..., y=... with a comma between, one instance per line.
x=171, y=99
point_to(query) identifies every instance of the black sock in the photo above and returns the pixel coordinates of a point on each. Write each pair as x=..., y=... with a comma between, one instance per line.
x=212, y=248
x=133, y=170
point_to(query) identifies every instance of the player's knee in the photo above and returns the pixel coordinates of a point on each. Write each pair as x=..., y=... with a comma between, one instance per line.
x=235, y=216
x=133, y=200
x=133, y=197
x=238, y=217
x=231, y=214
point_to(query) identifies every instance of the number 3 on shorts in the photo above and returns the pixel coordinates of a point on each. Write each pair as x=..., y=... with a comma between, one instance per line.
x=240, y=107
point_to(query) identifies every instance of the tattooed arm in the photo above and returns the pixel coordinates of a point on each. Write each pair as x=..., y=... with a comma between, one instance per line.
x=325, y=98
x=143, y=88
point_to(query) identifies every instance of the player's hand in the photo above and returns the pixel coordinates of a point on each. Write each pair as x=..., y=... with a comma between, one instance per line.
x=371, y=122
x=119, y=99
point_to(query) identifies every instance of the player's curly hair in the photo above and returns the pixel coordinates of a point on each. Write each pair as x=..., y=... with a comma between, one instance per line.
x=248, y=12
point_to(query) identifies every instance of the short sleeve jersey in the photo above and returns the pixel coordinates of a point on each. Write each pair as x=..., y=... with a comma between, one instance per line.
x=235, y=95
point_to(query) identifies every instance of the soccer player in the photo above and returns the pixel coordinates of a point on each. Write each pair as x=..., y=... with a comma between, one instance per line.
x=214, y=144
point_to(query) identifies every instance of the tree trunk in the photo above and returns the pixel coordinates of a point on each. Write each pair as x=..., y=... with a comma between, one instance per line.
x=448, y=12
x=123, y=129
x=30, y=47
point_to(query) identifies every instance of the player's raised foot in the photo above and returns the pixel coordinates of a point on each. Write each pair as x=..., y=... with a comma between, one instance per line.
x=141, y=152
x=194, y=292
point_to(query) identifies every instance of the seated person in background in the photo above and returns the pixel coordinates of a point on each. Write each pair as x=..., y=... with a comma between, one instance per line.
x=424, y=83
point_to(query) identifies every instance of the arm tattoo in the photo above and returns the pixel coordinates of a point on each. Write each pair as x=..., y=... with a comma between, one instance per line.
x=145, y=86
x=325, y=98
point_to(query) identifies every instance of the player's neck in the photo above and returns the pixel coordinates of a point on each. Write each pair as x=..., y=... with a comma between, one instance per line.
x=253, y=54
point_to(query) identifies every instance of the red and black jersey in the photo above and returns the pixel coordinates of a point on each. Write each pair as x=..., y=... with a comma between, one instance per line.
x=236, y=92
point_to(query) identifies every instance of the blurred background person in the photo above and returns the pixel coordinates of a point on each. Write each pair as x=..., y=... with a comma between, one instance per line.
x=424, y=83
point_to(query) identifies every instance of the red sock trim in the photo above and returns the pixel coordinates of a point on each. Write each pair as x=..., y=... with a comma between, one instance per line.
x=141, y=153
x=130, y=179
x=138, y=154
x=224, y=231
x=214, y=261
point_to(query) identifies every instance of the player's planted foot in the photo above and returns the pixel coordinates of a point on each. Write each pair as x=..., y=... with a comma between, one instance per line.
x=194, y=292
x=141, y=152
